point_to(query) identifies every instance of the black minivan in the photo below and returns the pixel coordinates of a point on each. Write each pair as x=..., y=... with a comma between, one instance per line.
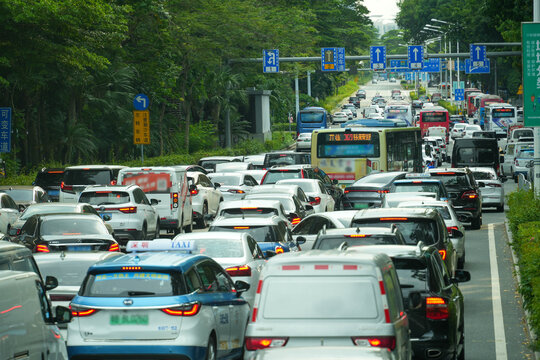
x=476, y=152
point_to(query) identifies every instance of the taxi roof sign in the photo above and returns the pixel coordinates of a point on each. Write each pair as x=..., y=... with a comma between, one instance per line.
x=160, y=245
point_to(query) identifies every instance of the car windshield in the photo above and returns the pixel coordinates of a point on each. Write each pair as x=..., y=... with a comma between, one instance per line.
x=420, y=187
x=73, y=226
x=104, y=197
x=265, y=233
x=452, y=180
x=87, y=177
x=333, y=242
x=20, y=195
x=413, y=230
x=228, y=180
x=134, y=283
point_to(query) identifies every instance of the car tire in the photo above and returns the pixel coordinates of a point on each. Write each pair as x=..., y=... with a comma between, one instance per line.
x=461, y=355
x=202, y=224
x=157, y=233
x=211, y=349
x=476, y=223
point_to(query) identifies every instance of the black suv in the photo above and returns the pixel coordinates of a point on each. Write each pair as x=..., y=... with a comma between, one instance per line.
x=463, y=191
x=425, y=225
x=49, y=179
x=368, y=191
x=432, y=299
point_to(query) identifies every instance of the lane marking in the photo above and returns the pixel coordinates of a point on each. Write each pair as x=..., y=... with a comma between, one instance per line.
x=498, y=322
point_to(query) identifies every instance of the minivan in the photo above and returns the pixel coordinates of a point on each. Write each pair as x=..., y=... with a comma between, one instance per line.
x=77, y=178
x=341, y=299
x=476, y=152
x=169, y=186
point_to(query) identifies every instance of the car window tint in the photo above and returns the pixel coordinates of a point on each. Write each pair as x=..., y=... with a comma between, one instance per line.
x=192, y=281
x=44, y=303
x=208, y=277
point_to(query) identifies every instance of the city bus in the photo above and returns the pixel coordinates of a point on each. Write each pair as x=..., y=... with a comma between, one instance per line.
x=433, y=116
x=399, y=110
x=471, y=108
x=480, y=104
x=311, y=118
x=350, y=153
x=500, y=117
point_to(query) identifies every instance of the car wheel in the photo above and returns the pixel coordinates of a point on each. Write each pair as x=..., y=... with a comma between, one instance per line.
x=211, y=350
x=500, y=208
x=144, y=232
x=156, y=235
x=202, y=224
x=476, y=223
x=461, y=355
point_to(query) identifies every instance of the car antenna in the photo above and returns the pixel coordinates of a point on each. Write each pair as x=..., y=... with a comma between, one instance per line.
x=358, y=229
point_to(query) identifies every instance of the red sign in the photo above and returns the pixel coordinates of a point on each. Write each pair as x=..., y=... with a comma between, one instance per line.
x=149, y=182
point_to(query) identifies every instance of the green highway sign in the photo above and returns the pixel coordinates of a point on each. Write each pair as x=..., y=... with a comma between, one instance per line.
x=530, y=47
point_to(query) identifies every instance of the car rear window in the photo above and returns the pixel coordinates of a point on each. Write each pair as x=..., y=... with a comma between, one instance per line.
x=49, y=209
x=412, y=273
x=72, y=226
x=273, y=176
x=287, y=202
x=249, y=211
x=482, y=175
x=53, y=178
x=322, y=297
x=71, y=273
x=413, y=230
x=453, y=179
x=136, y=283
x=265, y=233
x=104, y=197
x=88, y=177
x=412, y=187
x=20, y=195
x=219, y=248
x=226, y=180
x=333, y=242
x=475, y=155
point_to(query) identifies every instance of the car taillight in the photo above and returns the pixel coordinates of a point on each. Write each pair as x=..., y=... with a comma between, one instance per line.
x=383, y=191
x=194, y=192
x=443, y=254
x=114, y=247
x=183, y=310
x=236, y=191
x=66, y=188
x=243, y=270
x=436, y=308
x=295, y=220
x=42, y=248
x=76, y=312
x=128, y=210
x=471, y=194
x=450, y=228
x=379, y=341
x=174, y=200
x=316, y=201
x=113, y=182
x=253, y=344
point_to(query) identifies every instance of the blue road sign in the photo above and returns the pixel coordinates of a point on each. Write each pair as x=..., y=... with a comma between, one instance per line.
x=271, y=61
x=478, y=55
x=471, y=69
x=461, y=65
x=459, y=94
x=377, y=57
x=333, y=59
x=432, y=65
x=398, y=66
x=415, y=55
x=5, y=130
x=140, y=102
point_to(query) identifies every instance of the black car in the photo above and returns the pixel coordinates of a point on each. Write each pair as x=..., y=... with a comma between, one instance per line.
x=432, y=299
x=61, y=232
x=284, y=158
x=361, y=94
x=464, y=192
x=368, y=191
x=49, y=179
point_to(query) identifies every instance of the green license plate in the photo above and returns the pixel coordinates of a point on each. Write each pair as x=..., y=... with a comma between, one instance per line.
x=127, y=319
x=361, y=206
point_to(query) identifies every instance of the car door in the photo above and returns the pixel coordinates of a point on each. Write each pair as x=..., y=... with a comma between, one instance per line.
x=148, y=211
x=326, y=198
x=212, y=194
x=10, y=210
x=27, y=237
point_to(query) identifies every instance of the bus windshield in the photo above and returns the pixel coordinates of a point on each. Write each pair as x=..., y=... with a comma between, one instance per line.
x=312, y=117
x=434, y=116
x=503, y=112
x=348, y=145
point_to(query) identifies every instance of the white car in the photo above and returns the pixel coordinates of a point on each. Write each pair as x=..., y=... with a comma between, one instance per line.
x=458, y=130
x=256, y=174
x=205, y=198
x=470, y=129
x=243, y=208
x=128, y=210
x=310, y=227
x=237, y=252
x=455, y=228
x=317, y=195
x=493, y=191
x=340, y=117
x=303, y=142
x=392, y=200
x=9, y=213
x=288, y=189
x=324, y=352
x=233, y=185
x=349, y=113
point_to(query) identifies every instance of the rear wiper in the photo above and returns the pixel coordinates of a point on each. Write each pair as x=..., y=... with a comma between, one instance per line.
x=133, y=293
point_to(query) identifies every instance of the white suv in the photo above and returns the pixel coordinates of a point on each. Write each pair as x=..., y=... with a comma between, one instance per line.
x=126, y=209
x=205, y=198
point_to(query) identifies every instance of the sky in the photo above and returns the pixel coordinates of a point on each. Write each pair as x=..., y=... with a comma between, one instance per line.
x=387, y=8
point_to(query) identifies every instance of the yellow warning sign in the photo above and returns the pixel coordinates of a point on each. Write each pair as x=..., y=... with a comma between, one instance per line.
x=520, y=90
x=141, y=127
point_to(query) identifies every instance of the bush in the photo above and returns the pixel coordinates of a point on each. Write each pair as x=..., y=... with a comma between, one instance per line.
x=332, y=102
x=283, y=126
x=452, y=109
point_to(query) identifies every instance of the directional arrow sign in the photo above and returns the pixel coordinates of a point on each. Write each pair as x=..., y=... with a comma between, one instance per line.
x=378, y=57
x=140, y=102
x=415, y=54
x=271, y=61
x=478, y=55
x=471, y=68
x=432, y=65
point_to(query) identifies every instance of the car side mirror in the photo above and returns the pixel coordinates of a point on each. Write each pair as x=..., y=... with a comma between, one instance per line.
x=269, y=253
x=241, y=286
x=481, y=184
x=300, y=240
x=415, y=300
x=461, y=276
x=21, y=207
x=503, y=179
x=308, y=207
x=51, y=283
x=192, y=187
x=106, y=217
x=463, y=218
x=62, y=315
x=154, y=202
x=292, y=216
x=216, y=185
x=456, y=233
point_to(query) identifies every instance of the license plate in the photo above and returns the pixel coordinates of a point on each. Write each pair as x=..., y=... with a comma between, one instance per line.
x=79, y=248
x=105, y=214
x=53, y=192
x=127, y=319
x=361, y=206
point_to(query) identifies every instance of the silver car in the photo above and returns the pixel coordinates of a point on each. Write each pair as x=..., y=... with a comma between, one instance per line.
x=303, y=142
x=493, y=191
x=233, y=186
x=309, y=227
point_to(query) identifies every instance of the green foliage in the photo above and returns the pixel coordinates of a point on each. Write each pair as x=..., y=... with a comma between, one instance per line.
x=332, y=102
x=413, y=95
x=452, y=109
x=283, y=126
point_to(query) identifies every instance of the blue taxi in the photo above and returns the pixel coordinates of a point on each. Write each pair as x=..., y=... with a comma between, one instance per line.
x=158, y=305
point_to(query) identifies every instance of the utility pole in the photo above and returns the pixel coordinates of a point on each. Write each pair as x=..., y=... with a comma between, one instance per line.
x=296, y=94
x=309, y=82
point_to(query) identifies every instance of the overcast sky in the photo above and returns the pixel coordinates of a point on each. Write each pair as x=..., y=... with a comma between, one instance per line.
x=387, y=8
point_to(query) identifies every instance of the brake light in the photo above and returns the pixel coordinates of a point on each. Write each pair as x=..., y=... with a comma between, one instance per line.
x=82, y=313
x=114, y=247
x=42, y=248
x=436, y=308
x=243, y=270
x=128, y=210
x=357, y=236
x=236, y=191
x=67, y=188
x=317, y=201
x=471, y=194
x=241, y=227
x=183, y=310
x=393, y=219
x=443, y=254
x=174, y=200
x=194, y=192
x=253, y=344
x=380, y=341
x=383, y=191
x=113, y=182
x=295, y=220
x=450, y=228
x=279, y=250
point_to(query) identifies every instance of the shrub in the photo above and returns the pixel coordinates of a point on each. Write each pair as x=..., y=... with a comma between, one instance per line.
x=452, y=109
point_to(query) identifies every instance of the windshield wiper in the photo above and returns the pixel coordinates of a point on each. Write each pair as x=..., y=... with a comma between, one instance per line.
x=133, y=293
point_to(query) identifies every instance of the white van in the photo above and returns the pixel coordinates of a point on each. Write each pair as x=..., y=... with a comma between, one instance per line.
x=328, y=298
x=28, y=327
x=168, y=185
